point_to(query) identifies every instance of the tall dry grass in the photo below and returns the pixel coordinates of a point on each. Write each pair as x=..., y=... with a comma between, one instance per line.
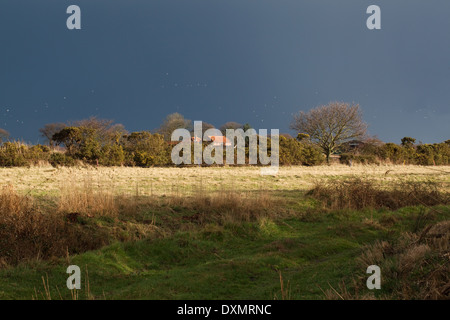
x=414, y=267
x=358, y=193
x=88, y=201
x=27, y=232
x=85, y=217
x=226, y=206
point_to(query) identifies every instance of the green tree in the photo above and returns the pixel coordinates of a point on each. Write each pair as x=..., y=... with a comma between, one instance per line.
x=408, y=142
x=93, y=140
x=70, y=137
x=302, y=136
x=50, y=129
x=246, y=126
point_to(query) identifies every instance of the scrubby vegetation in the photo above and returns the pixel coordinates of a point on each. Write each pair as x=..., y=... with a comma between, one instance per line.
x=228, y=243
x=357, y=193
x=17, y=154
x=222, y=232
x=375, y=152
x=145, y=149
x=415, y=265
x=102, y=142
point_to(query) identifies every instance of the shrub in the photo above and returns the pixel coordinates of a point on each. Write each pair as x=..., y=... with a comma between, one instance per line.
x=112, y=155
x=312, y=155
x=358, y=158
x=358, y=194
x=146, y=149
x=435, y=154
x=406, y=153
x=290, y=151
x=414, y=266
x=61, y=159
x=27, y=233
x=17, y=154
x=393, y=152
x=12, y=154
x=293, y=152
x=37, y=153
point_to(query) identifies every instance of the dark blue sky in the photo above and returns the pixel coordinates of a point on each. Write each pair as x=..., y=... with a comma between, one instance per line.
x=255, y=61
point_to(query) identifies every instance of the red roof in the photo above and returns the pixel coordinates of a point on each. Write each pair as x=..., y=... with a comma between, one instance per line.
x=218, y=140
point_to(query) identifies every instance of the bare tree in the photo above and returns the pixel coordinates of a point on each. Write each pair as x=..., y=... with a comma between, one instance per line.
x=206, y=126
x=172, y=122
x=230, y=125
x=106, y=130
x=286, y=135
x=331, y=125
x=3, y=134
x=50, y=129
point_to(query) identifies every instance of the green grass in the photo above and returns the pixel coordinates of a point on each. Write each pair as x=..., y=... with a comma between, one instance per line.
x=232, y=261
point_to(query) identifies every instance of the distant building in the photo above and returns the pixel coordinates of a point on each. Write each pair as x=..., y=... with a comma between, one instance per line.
x=217, y=141
x=220, y=141
x=351, y=146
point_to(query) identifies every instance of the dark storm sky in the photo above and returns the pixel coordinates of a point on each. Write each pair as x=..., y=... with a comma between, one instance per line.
x=255, y=61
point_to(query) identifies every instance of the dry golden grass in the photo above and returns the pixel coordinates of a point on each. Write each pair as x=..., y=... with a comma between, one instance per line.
x=81, y=218
x=357, y=193
x=88, y=200
x=28, y=232
x=227, y=206
x=187, y=181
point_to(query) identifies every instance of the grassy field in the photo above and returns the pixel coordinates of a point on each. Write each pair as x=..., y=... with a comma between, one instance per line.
x=167, y=181
x=225, y=233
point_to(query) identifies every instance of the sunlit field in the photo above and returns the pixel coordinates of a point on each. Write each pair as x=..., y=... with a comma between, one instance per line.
x=167, y=181
x=225, y=232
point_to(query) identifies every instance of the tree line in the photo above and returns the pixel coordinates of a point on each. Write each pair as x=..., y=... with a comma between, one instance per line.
x=334, y=131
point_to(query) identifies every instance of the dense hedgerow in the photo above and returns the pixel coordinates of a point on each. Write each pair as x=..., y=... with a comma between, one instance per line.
x=405, y=153
x=101, y=142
